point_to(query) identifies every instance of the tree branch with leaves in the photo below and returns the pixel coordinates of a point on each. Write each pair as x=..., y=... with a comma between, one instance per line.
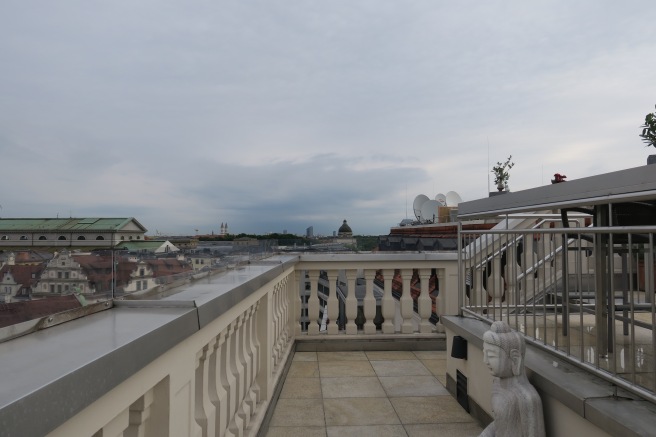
x=648, y=134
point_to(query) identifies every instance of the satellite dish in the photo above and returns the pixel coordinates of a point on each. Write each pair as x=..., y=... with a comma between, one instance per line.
x=441, y=198
x=453, y=198
x=429, y=211
x=416, y=205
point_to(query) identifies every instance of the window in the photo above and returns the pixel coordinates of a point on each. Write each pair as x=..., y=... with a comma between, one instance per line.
x=81, y=237
x=100, y=237
x=23, y=237
x=59, y=275
x=66, y=287
x=42, y=237
x=59, y=288
x=4, y=237
x=61, y=237
x=66, y=275
x=52, y=288
x=138, y=285
x=122, y=238
x=130, y=237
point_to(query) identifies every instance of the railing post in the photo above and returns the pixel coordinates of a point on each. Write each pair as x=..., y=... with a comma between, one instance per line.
x=407, y=309
x=424, y=302
x=333, y=303
x=369, y=302
x=351, y=303
x=388, y=302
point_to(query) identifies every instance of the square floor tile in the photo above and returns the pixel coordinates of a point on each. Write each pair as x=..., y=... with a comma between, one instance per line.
x=352, y=387
x=342, y=356
x=402, y=386
x=301, y=388
x=430, y=355
x=305, y=356
x=303, y=369
x=399, y=368
x=345, y=368
x=366, y=431
x=434, y=409
x=444, y=429
x=390, y=355
x=359, y=411
x=296, y=431
x=436, y=367
x=294, y=412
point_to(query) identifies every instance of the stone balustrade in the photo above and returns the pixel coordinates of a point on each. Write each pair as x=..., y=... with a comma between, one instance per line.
x=206, y=361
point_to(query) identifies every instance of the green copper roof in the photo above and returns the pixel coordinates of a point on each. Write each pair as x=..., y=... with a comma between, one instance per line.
x=93, y=224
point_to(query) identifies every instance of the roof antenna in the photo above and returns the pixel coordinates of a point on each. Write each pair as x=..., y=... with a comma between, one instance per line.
x=488, y=164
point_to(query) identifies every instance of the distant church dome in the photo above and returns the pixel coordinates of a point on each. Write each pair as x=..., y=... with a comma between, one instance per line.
x=345, y=230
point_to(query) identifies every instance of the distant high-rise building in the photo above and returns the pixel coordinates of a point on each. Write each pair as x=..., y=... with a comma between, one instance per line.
x=309, y=232
x=284, y=232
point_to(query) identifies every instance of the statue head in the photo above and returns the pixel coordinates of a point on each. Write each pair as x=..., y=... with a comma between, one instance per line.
x=503, y=350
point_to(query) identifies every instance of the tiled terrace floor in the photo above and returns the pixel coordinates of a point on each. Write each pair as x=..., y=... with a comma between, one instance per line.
x=380, y=394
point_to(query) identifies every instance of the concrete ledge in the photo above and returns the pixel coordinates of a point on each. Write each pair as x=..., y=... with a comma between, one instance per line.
x=596, y=400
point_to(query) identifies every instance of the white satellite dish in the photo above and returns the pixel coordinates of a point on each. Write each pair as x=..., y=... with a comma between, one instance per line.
x=429, y=211
x=441, y=198
x=453, y=198
x=416, y=205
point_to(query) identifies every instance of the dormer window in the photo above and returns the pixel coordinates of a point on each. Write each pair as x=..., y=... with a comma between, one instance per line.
x=61, y=237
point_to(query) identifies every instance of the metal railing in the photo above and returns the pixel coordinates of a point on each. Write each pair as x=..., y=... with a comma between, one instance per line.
x=583, y=293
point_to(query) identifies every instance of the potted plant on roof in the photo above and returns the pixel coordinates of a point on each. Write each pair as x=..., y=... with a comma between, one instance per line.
x=501, y=173
x=648, y=134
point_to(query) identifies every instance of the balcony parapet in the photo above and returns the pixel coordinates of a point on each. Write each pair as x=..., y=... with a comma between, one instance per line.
x=201, y=362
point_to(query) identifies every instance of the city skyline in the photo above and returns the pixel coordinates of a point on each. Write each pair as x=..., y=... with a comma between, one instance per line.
x=285, y=115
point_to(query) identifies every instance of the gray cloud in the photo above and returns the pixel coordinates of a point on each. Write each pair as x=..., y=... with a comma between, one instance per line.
x=283, y=115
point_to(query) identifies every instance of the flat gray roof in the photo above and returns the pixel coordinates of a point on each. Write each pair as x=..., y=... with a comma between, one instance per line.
x=632, y=184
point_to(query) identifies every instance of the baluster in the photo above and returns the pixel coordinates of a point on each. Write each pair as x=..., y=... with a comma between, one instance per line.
x=333, y=303
x=240, y=375
x=369, y=302
x=389, y=306
x=220, y=393
x=252, y=395
x=277, y=322
x=298, y=292
x=351, y=303
x=407, y=310
x=245, y=356
x=424, y=302
x=231, y=379
x=117, y=426
x=284, y=303
x=313, y=303
x=139, y=415
x=199, y=397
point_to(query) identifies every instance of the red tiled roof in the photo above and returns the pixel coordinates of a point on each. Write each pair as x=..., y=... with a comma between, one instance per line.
x=17, y=312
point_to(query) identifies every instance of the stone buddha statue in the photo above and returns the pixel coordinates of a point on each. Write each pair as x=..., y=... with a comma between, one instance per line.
x=516, y=405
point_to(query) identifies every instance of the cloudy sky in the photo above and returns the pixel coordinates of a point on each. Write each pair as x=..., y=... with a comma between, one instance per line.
x=273, y=115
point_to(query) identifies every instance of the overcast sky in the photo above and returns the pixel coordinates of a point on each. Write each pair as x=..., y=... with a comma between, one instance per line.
x=280, y=115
